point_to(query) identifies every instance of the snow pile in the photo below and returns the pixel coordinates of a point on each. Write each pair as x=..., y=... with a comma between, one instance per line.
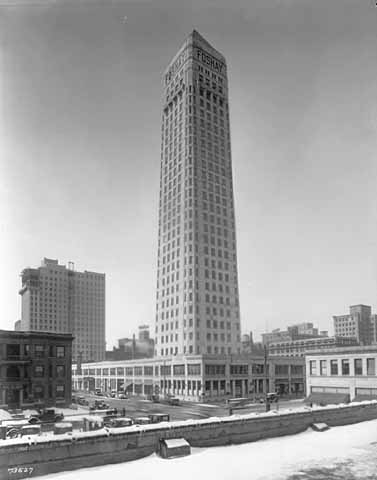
x=275, y=458
x=4, y=415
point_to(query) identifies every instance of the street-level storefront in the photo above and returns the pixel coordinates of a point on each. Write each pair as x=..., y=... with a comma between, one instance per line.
x=195, y=377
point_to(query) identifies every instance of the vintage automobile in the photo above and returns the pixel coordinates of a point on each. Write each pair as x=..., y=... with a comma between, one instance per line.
x=99, y=405
x=82, y=401
x=117, y=422
x=48, y=415
x=142, y=421
x=159, y=417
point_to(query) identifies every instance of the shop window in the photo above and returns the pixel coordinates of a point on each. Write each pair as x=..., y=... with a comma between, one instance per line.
x=345, y=367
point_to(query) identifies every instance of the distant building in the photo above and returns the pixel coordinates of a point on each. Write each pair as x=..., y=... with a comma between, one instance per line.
x=342, y=374
x=294, y=332
x=275, y=336
x=131, y=348
x=248, y=346
x=196, y=377
x=373, y=328
x=305, y=329
x=303, y=346
x=357, y=324
x=144, y=334
x=61, y=300
x=35, y=369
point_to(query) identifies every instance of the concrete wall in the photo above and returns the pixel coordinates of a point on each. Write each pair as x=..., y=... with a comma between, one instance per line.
x=100, y=449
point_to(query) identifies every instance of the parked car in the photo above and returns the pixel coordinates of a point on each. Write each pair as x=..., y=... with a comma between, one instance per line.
x=117, y=422
x=272, y=397
x=30, y=430
x=99, y=405
x=82, y=401
x=98, y=392
x=159, y=417
x=113, y=393
x=13, y=432
x=48, y=415
x=173, y=401
x=123, y=396
x=142, y=421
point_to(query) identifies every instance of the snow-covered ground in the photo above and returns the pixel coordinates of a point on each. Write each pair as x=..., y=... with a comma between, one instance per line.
x=350, y=451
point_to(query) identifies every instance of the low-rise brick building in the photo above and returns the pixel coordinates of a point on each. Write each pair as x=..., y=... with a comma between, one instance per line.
x=35, y=369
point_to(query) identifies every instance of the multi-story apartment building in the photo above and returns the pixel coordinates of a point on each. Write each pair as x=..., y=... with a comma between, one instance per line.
x=301, y=347
x=35, y=369
x=61, y=300
x=196, y=377
x=197, y=300
x=342, y=374
x=356, y=324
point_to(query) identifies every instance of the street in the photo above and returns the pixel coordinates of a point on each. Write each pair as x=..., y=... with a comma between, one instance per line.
x=137, y=407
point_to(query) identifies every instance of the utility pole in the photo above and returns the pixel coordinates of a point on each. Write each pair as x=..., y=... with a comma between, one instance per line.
x=266, y=400
x=164, y=365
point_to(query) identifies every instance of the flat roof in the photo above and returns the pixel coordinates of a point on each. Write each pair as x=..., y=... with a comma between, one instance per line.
x=35, y=334
x=208, y=359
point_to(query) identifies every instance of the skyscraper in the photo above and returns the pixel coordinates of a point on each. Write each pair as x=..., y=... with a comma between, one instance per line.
x=61, y=300
x=197, y=300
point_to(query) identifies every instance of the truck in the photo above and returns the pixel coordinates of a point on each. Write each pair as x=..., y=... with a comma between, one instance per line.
x=47, y=415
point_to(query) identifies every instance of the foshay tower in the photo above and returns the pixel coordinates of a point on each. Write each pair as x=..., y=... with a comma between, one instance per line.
x=197, y=300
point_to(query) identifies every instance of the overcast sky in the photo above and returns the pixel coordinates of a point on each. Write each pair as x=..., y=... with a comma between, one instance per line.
x=80, y=134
